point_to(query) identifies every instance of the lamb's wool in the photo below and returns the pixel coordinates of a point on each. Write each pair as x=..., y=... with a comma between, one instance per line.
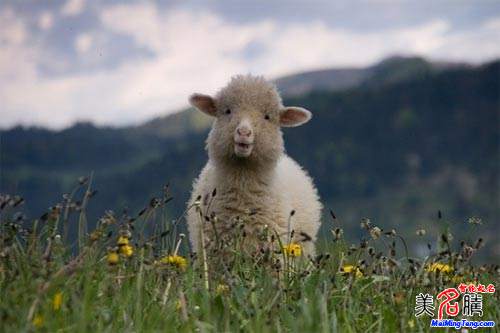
x=267, y=183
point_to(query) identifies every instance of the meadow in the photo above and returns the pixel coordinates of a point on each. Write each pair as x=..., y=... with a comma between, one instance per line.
x=134, y=272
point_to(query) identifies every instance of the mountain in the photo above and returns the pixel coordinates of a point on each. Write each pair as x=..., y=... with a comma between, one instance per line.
x=328, y=79
x=175, y=125
x=390, y=70
x=408, y=140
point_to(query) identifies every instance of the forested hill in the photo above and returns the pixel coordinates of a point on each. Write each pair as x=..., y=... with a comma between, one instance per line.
x=396, y=150
x=390, y=70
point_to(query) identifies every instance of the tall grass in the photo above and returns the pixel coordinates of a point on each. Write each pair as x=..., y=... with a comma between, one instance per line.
x=136, y=273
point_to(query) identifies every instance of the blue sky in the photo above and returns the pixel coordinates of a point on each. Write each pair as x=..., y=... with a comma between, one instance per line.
x=123, y=62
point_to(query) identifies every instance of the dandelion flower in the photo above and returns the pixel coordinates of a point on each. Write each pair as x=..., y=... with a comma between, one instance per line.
x=178, y=305
x=222, y=288
x=175, y=260
x=95, y=235
x=57, y=301
x=112, y=258
x=350, y=269
x=127, y=250
x=38, y=321
x=440, y=268
x=293, y=250
x=122, y=241
x=411, y=323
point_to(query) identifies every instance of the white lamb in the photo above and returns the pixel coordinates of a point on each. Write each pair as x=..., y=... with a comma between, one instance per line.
x=249, y=169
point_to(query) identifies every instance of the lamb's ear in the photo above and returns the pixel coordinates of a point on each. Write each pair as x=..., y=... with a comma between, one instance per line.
x=203, y=103
x=291, y=116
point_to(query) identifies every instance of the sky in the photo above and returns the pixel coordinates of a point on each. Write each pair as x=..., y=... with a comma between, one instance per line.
x=124, y=62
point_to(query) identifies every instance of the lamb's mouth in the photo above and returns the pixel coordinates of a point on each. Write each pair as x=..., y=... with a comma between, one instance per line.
x=242, y=149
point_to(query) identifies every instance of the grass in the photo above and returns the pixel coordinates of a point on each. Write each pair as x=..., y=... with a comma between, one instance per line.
x=136, y=273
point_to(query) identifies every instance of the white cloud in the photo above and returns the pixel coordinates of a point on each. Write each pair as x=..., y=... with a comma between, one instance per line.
x=471, y=45
x=142, y=21
x=199, y=52
x=16, y=59
x=12, y=31
x=83, y=42
x=72, y=7
x=45, y=20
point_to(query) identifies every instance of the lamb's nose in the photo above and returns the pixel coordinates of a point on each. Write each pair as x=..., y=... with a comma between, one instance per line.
x=244, y=131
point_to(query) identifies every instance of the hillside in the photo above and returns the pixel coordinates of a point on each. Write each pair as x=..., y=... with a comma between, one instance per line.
x=390, y=70
x=399, y=146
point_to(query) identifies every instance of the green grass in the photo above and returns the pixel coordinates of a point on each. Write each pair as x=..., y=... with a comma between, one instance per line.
x=233, y=290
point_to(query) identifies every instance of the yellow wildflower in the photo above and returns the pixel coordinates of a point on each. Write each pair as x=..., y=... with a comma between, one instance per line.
x=38, y=321
x=57, y=301
x=349, y=269
x=222, y=288
x=112, y=258
x=440, y=268
x=175, y=260
x=411, y=323
x=293, y=250
x=178, y=305
x=95, y=235
x=127, y=250
x=122, y=240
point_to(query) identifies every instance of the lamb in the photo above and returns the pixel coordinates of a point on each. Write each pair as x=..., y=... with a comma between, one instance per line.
x=249, y=169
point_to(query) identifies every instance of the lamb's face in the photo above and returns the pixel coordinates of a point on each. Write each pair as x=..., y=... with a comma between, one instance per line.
x=249, y=114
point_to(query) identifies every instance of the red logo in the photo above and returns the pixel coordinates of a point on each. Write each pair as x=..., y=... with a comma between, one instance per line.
x=447, y=296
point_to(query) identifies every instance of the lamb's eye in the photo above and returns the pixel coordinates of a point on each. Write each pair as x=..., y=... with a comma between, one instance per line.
x=266, y=117
x=228, y=111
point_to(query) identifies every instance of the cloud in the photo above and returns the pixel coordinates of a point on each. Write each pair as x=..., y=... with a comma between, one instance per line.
x=45, y=20
x=15, y=56
x=199, y=51
x=142, y=21
x=72, y=7
x=472, y=45
x=12, y=31
x=83, y=42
